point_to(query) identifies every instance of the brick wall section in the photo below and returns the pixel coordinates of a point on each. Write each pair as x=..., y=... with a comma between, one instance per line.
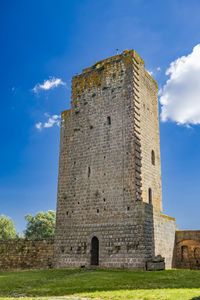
x=187, y=252
x=26, y=254
x=164, y=237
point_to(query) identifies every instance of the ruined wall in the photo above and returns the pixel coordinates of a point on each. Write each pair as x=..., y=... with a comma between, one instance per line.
x=164, y=237
x=26, y=254
x=187, y=251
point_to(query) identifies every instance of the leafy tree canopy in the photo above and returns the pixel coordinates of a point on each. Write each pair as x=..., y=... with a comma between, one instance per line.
x=7, y=228
x=40, y=226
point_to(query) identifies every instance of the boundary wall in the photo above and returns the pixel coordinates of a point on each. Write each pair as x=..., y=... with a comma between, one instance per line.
x=26, y=254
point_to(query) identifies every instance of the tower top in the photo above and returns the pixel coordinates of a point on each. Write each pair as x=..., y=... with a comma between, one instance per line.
x=114, y=58
x=125, y=56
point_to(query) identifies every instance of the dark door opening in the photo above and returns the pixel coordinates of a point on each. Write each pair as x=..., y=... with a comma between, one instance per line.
x=95, y=251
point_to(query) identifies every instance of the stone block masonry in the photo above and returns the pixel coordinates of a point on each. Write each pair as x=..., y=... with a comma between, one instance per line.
x=187, y=250
x=164, y=237
x=120, y=245
x=19, y=254
x=109, y=182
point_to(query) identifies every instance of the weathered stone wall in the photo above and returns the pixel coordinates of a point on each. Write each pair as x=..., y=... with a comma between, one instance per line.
x=26, y=254
x=187, y=252
x=127, y=245
x=150, y=140
x=105, y=166
x=164, y=237
x=97, y=151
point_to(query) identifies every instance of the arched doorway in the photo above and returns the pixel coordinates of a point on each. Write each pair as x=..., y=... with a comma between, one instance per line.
x=95, y=251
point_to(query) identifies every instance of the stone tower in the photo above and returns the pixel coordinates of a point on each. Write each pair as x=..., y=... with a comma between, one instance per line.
x=109, y=207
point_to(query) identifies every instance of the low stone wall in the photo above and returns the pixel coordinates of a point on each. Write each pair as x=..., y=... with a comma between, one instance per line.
x=181, y=249
x=164, y=237
x=26, y=254
x=187, y=254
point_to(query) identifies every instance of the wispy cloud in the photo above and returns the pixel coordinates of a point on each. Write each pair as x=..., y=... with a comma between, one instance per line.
x=38, y=125
x=51, y=121
x=154, y=71
x=180, y=96
x=150, y=72
x=48, y=84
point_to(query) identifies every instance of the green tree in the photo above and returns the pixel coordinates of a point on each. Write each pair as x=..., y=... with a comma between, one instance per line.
x=40, y=226
x=7, y=228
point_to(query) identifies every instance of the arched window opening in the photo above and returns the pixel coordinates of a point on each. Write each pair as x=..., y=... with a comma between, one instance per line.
x=150, y=196
x=95, y=251
x=153, y=157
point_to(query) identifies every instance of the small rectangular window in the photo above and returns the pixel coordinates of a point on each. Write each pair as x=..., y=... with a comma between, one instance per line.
x=109, y=120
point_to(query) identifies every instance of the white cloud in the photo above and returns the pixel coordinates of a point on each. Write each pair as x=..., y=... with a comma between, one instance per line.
x=154, y=71
x=38, y=125
x=150, y=72
x=51, y=121
x=180, y=96
x=48, y=84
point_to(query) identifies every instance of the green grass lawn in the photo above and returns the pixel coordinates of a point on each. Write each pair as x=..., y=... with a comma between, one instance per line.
x=100, y=284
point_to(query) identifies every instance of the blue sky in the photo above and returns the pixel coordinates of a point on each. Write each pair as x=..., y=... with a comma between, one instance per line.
x=45, y=40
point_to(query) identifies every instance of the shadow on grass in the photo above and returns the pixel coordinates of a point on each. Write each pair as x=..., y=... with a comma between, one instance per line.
x=69, y=282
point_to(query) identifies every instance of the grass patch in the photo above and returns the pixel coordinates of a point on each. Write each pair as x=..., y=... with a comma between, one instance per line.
x=101, y=284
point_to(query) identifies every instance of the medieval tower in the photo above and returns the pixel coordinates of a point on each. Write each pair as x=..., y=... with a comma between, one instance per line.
x=109, y=207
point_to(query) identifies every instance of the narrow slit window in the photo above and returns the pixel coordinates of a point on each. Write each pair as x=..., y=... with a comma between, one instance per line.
x=109, y=120
x=89, y=171
x=153, y=157
x=150, y=196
